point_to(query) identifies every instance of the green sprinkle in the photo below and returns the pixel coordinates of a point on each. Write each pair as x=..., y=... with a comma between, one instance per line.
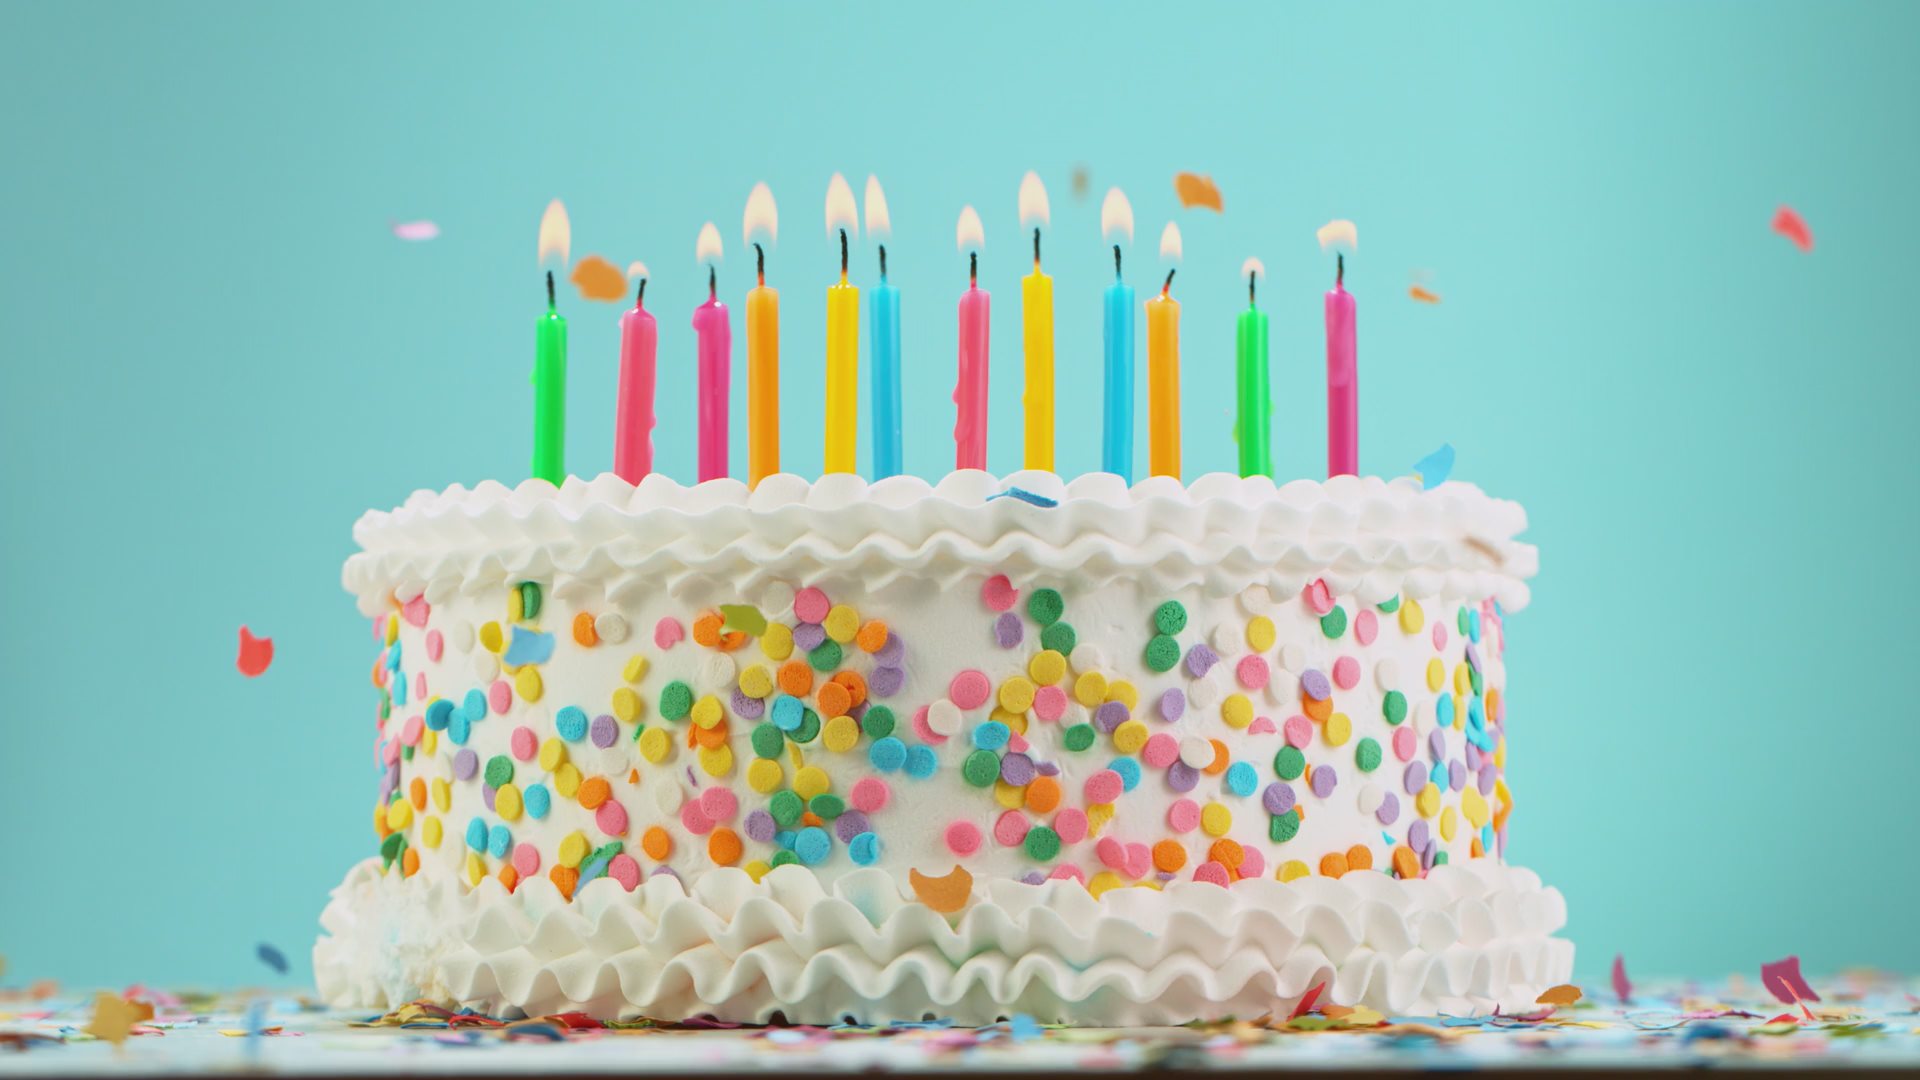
x=745, y=618
x=1439, y=858
x=1282, y=827
x=392, y=846
x=783, y=857
x=499, y=771
x=529, y=601
x=1367, y=755
x=878, y=723
x=1060, y=637
x=1389, y=607
x=1289, y=763
x=1170, y=618
x=1078, y=737
x=1045, y=606
x=981, y=768
x=1474, y=680
x=827, y=806
x=1042, y=843
x=1394, y=708
x=1460, y=620
x=1162, y=653
x=768, y=741
x=825, y=656
x=676, y=700
x=406, y=753
x=809, y=728
x=1334, y=623
x=785, y=806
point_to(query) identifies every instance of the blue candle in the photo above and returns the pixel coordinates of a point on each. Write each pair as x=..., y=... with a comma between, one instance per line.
x=885, y=311
x=1116, y=446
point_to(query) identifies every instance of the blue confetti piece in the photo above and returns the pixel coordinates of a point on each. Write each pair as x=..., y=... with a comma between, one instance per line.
x=1023, y=1027
x=271, y=957
x=592, y=869
x=528, y=647
x=1025, y=496
x=1434, y=469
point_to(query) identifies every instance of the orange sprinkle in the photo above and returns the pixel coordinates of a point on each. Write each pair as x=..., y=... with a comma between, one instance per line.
x=1473, y=850
x=509, y=877
x=380, y=825
x=1227, y=853
x=723, y=847
x=656, y=843
x=833, y=700
x=871, y=636
x=1316, y=710
x=1043, y=794
x=732, y=640
x=417, y=792
x=594, y=791
x=564, y=878
x=1359, y=857
x=796, y=678
x=1333, y=864
x=945, y=895
x=409, y=862
x=633, y=776
x=856, y=686
x=583, y=631
x=706, y=629
x=1406, y=863
x=711, y=738
x=813, y=819
x=1168, y=855
x=1220, y=759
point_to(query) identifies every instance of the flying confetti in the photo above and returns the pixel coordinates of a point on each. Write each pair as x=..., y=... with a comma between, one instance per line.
x=1197, y=190
x=255, y=653
x=415, y=230
x=1788, y=223
x=1422, y=295
x=271, y=957
x=598, y=279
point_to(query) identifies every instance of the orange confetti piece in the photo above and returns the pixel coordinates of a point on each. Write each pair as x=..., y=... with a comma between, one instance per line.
x=1197, y=190
x=1424, y=296
x=1788, y=223
x=114, y=1017
x=1564, y=994
x=945, y=895
x=598, y=279
x=255, y=653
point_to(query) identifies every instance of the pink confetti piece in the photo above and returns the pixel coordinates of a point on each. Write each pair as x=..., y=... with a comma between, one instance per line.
x=1622, y=989
x=415, y=230
x=1788, y=223
x=255, y=653
x=1307, y=1002
x=1782, y=979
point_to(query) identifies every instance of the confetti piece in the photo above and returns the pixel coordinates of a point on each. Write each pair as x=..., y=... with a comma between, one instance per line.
x=1434, y=469
x=1423, y=295
x=744, y=618
x=1564, y=994
x=945, y=895
x=1197, y=190
x=1082, y=183
x=528, y=647
x=114, y=1017
x=1782, y=980
x=271, y=957
x=1306, y=1002
x=1339, y=232
x=598, y=279
x=1025, y=496
x=255, y=653
x=1622, y=989
x=1788, y=223
x=414, y=230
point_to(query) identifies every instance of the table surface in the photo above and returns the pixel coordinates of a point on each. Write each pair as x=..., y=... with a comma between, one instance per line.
x=1864, y=1021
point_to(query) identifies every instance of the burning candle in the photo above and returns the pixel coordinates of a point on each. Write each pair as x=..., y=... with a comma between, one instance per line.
x=1163, y=369
x=843, y=341
x=1116, y=443
x=1036, y=318
x=550, y=359
x=633, y=412
x=1253, y=422
x=715, y=330
x=970, y=392
x=763, y=343
x=1343, y=379
x=883, y=308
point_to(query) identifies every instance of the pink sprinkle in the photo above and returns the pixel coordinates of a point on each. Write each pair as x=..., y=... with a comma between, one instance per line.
x=719, y=804
x=1068, y=872
x=920, y=728
x=624, y=870
x=969, y=689
x=420, y=685
x=524, y=743
x=998, y=593
x=870, y=795
x=810, y=605
x=1183, y=816
x=436, y=646
x=1299, y=731
x=1049, y=703
x=693, y=817
x=1262, y=725
x=1439, y=635
x=1252, y=863
x=1212, y=873
x=1103, y=787
x=1404, y=743
x=1252, y=672
x=500, y=696
x=1111, y=853
x=1071, y=824
x=1017, y=743
x=612, y=818
x=1139, y=860
x=1318, y=597
x=1366, y=626
x=390, y=750
x=1010, y=829
x=667, y=633
x=410, y=731
x=1346, y=673
x=526, y=859
x=963, y=838
x=1161, y=750
x=415, y=610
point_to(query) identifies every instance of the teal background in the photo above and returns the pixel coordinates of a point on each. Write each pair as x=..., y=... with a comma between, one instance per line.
x=217, y=357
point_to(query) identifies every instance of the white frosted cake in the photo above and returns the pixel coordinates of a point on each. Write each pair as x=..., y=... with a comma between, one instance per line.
x=836, y=750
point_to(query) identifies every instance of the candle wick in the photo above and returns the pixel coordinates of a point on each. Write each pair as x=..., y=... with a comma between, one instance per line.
x=713, y=284
x=760, y=263
x=1116, y=262
x=973, y=267
x=549, y=290
x=1251, y=275
x=843, y=256
x=1339, y=269
x=883, y=262
x=1168, y=287
x=640, y=296
x=1036, y=247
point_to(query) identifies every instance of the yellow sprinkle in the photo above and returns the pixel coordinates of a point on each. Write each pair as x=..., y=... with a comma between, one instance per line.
x=1123, y=692
x=1047, y=667
x=566, y=780
x=573, y=848
x=1459, y=712
x=442, y=794
x=707, y=712
x=1411, y=617
x=1292, y=870
x=1260, y=633
x=1500, y=753
x=1013, y=798
x=636, y=668
x=1462, y=679
x=717, y=760
x=1501, y=793
x=429, y=741
x=795, y=756
x=841, y=623
x=528, y=684
x=840, y=734
x=1436, y=674
x=399, y=814
x=1448, y=824
x=1428, y=801
x=1090, y=689
x=776, y=642
x=810, y=781
x=507, y=802
x=764, y=776
x=1015, y=720
x=1016, y=694
x=1097, y=817
x=1337, y=730
x=430, y=832
x=1131, y=735
x=1103, y=882
x=1473, y=807
x=393, y=630
x=380, y=821
x=475, y=868
x=490, y=638
x=1237, y=711
x=516, y=606
x=655, y=744
x=627, y=704
x=1216, y=819
x=755, y=681
x=757, y=869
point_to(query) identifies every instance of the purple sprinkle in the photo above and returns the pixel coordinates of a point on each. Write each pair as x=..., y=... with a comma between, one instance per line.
x=1173, y=705
x=1200, y=659
x=1278, y=798
x=1488, y=774
x=1437, y=744
x=465, y=764
x=1182, y=776
x=1417, y=834
x=849, y=825
x=1017, y=769
x=604, y=731
x=1033, y=877
x=760, y=826
x=393, y=775
x=747, y=707
x=1163, y=875
x=1389, y=811
x=1473, y=656
x=1314, y=684
x=892, y=653
x=1457, y=774
x=858, y=712
x=1109, y=715
x=1007, y=630
x=667, y=870
x=808, y=636
x=1473, y=756
x=1426, y=855
x=386, y=789
x=692, y=779
x=1323, y=780
x=886, y=681
x=1047, y=768
x=486, y=795
x=1416, y=776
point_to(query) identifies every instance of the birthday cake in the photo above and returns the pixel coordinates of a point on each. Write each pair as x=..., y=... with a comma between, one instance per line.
x=839, y=750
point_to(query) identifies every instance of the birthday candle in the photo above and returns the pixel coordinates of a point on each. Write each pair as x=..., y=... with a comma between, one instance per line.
x=1036, y=317
x=1116, y=443
x=843, y=369
x=1163, y=369
x=970, y=390
x=1343, y=379
x=1253, y=422
x=633, y=416
x=550, y=394
x=883, y=308
x=763, y=342
x=715, y=330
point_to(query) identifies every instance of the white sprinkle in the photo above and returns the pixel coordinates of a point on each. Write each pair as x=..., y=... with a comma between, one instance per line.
x=943, y=718
x=1371, y=797
x=1386, y=673
x=717, y=672
x=1196, y=752
x=462, y=636
x=1293, y=657
x=485, y=665
x=611, y=627
x=1086, y=657
x=776, y=600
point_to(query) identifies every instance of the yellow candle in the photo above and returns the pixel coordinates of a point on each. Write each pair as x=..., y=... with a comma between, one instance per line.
x=843, y=368
x=1036, y=311
x=763, y=376
x=1163, y=383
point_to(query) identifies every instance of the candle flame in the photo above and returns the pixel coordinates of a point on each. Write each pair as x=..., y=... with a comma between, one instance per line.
x=1116, y=215
x=1339, y=233
x=1033, y=201
x=969, y=235
x=762, y=215
x=878, y=224
x=841, y=211
x=1253, y=266
x=637, y=270
x=707, y=248
x=556, y=236
x=1170, y=243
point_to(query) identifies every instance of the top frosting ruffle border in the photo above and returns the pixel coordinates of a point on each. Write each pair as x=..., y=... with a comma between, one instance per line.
x=1368, y=536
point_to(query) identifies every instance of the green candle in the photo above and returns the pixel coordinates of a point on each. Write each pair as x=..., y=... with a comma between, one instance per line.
x=550, y=394
x=1253, y=428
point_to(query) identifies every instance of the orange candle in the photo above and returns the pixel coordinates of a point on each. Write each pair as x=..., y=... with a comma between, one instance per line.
x=763, y=375
x=1163, y=383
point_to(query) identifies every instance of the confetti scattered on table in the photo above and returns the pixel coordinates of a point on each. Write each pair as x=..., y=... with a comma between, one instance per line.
x=415, y=231
x=255, y=653
x=271, y=957
x=1782, y=980
x=1197, y=190
x=114, y=1017
x=1622, y=988
x=1788, y=223
x=598, y=279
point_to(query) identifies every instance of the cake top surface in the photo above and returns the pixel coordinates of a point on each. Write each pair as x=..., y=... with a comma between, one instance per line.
x=1371, y=536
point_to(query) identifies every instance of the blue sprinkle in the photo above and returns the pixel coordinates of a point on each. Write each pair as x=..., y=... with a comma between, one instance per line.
x=1473, y=627
x=787, y=712
x=813, y=845
x=571, y=723
x=393, y=657
x=1388, y=838
x=399, y=687
x=785, y=838
x=920, y=762
x=1241, y=779
x=864, y=848
x=991, y=735
x=528, y=647
x=1443, y=710
x=500, y=841
x=1025, y=496
x=475, y=706
x=1434, y=469
x=1129, y=771
x=438, y=714
x=1486, y=837
x=538, y=801
x=887, y=754
x=1476, y=713
x=477, y=834
x=458, y=728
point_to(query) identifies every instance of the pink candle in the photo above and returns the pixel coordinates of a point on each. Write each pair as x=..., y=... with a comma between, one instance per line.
x=1343, y=380
x=970, y=393
x=633, y=415
x=711, y=322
